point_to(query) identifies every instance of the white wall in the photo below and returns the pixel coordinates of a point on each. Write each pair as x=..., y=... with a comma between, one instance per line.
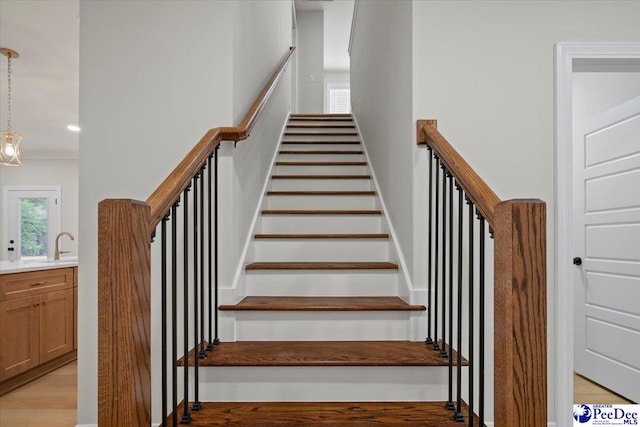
x=485, y=71
x=143, y=107
x=49, y=172
x=257, y=52
x=337, y=30
x=381, y=97
x=155, y=76
x=310, y=61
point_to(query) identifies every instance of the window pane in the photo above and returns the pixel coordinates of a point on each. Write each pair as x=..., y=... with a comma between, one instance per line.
x=339, y=101
x=33, y=227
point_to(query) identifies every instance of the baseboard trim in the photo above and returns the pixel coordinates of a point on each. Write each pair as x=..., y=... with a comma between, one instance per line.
x=249, y=238
x=394, y=237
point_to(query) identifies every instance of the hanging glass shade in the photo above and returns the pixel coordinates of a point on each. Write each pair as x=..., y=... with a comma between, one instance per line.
x=9, y=140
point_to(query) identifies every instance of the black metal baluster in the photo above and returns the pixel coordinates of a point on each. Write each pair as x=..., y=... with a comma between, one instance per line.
x=458, y=416
x=216, y=341
x=450, y=404
x=209, y=246
x=481, y=323
x=435, y=262
x=429, y=340
x=174, y=309
x=196, y=390
x=163, y=297
x=443, y=348
x=186, y=416
x=471, y=278
x=202, y=354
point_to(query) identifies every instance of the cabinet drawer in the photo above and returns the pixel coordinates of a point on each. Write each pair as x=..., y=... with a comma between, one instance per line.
x=19, y=285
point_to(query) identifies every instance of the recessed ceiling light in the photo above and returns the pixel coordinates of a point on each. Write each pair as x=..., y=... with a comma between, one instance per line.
x=73, y=128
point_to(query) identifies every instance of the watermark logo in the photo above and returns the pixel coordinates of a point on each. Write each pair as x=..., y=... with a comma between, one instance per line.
x=581, y=413
x=606, y=415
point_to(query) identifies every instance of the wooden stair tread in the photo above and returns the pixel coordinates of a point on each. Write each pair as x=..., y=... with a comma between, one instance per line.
x=321, y=193
x=354, y=414
x=325, y=142
x=323, y=353
x=294, y=126
x=259, y=303
x=321, y=236
x=321, y=134
x=320, y=176
x=321, y=266
x=320, y=152
x=320, y=115
x=321, y=163
x=319, y=212
x=320, y=119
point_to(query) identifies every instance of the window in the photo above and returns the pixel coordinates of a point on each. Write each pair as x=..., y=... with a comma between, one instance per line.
x=31, y=221
x=338, y=98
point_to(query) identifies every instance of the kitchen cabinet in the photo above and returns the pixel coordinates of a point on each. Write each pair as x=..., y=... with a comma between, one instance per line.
x=37, y=318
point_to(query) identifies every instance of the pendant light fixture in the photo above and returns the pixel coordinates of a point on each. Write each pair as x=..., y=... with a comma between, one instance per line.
x=9, y=141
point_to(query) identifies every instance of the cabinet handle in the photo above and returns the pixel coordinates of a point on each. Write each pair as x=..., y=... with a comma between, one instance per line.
x=39, y=283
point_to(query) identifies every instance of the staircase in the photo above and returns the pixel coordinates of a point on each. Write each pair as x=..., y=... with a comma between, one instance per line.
x=324, y=332
x=322, y=322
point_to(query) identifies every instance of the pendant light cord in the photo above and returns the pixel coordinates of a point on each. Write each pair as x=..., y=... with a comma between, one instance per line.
x=9, y=93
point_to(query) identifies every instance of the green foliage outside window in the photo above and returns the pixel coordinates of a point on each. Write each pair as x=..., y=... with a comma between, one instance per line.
x=33, y=227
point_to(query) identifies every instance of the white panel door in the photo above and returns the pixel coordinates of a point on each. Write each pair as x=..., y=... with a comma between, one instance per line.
x=606, y=206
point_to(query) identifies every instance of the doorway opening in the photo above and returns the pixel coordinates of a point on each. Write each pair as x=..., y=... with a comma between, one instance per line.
x=578, y=66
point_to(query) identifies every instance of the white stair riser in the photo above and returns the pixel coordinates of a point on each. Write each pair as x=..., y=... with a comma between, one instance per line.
x=322, y=283
x=321, y=325
x=322, y=138
x=321, y=202
x=323, y=123
x=320, y=170
x=321, y=250
x=316, y=224
x=323, y=157
x=323, y=146
x=322, y=384
x=320, y=184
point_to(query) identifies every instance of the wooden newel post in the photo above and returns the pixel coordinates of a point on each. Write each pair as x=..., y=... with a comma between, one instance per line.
x=124, y=277
x=520, y=314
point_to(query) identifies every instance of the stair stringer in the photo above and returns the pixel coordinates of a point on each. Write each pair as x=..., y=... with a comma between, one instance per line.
x=406, y=290
x=238, y=289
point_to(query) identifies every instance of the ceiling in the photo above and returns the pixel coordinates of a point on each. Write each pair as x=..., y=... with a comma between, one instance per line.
x=45, y=79
x=337, y=29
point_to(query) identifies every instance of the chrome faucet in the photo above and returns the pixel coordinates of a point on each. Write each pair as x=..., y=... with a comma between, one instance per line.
x=56, y=254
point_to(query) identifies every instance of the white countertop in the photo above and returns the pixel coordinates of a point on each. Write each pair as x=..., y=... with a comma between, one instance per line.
x=7, y=267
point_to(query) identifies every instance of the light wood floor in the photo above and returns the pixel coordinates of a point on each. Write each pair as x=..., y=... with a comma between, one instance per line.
x=48, y=401
x=51, y=400
x=585, y=391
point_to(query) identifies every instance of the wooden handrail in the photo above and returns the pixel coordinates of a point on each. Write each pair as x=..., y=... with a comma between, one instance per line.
x=169, y=190
x=124, y=275
x=520, y=289
x=474, y=187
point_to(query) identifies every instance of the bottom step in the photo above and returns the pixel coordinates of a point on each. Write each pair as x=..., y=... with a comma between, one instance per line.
x=330, y=413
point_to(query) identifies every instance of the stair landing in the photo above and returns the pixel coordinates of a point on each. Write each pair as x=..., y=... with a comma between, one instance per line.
x=326, y=413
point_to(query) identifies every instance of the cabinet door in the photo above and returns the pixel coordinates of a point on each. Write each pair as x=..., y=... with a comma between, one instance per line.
x=56, y=324
x=19, y=336
x=75, y=318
